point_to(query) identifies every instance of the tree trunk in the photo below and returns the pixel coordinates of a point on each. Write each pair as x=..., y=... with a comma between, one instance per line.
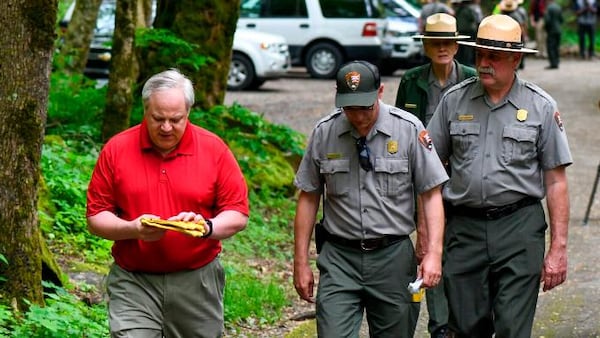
x=210, y=24
x=77, y=39
x=27, y=41
x=123, y=70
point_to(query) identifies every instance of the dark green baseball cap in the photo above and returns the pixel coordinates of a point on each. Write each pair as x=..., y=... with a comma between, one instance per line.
x=357, y=84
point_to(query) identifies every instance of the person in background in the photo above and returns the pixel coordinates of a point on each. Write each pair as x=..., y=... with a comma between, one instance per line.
x=586, y=12
x=368, y=159
x=515, y=11
x=507, y=149
x=537, y=9
x=467, y=20
x=553, y=20
x=419, y=92
x=431, y=7
x=165, y=283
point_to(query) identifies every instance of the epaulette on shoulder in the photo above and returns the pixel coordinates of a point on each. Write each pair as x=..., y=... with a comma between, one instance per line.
x=538, y=90
x=332, y=116
x=462, y=84
x=403, y=114
x=414, y=73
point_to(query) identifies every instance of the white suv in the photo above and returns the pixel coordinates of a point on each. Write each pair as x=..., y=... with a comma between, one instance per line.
x=257, y=57
x=322, y=34
x=401, y=26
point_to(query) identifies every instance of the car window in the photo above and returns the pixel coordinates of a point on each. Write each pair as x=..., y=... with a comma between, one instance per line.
x=350, y=9
x=273, y=9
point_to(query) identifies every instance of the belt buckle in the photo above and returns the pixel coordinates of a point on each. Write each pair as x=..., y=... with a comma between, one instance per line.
x=369, y=244
x=491, y=213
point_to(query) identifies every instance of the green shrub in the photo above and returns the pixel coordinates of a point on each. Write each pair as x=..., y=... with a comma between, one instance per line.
x=252, y=298
x=64, y=316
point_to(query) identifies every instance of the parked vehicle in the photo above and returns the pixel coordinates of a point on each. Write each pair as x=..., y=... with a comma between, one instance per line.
x=401, y=26
x=322, y=34
x=255, y=57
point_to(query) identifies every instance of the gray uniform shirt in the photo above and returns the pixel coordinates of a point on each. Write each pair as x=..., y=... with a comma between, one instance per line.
x=436, y=90
x=361, y=204
x=497, y=153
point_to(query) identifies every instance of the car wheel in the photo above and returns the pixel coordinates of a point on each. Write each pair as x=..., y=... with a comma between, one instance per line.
x=241, y=73
x=323, y=60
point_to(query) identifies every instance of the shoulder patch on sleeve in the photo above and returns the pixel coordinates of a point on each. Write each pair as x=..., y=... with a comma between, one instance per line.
x=425, y=139
x=558, y=120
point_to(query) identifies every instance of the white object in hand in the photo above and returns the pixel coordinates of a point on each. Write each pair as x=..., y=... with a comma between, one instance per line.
x=415, y=286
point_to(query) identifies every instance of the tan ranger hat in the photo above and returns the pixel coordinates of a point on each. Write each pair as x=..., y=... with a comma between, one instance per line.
x=440, y=26
x=508, y=5
x=499, y=32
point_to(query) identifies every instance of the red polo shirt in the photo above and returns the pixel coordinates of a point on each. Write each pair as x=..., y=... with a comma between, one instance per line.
x=131, y=179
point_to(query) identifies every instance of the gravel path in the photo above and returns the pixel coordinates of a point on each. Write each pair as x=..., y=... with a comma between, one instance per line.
x=571, y=310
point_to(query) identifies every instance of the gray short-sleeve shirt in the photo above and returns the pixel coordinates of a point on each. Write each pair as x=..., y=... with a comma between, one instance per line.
x=361, y=204
x=497, y=153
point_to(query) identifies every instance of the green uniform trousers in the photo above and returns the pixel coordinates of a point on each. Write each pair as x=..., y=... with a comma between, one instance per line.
x=437, y=307
x=352, y=281
x=171, y=305
x=492, y=273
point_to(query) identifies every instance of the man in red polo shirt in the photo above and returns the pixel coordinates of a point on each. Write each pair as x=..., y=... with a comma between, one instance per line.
x=165, y=283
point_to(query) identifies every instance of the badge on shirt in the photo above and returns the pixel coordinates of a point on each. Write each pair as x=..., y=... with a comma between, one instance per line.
x=465, y=117
x=334, y=156
x=521, y=115
x=425, y=139
x=410, y=105
x=558, y=120
x=392, y=147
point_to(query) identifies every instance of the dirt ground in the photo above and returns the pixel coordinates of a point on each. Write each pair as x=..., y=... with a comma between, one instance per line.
x=570, y=310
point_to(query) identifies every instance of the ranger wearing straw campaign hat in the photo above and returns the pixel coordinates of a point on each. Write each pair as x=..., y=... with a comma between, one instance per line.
x=506, y=147
x=419, y=92
x=499, y=32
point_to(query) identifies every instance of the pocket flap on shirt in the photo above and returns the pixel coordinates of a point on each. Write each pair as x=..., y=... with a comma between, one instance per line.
x=520, y=134
x=391, y=166
x=335, y=166
x=464, y=128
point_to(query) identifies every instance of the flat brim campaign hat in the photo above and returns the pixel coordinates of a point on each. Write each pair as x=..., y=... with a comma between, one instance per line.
x=508, y=5
x=499, y=32
x=440, y=26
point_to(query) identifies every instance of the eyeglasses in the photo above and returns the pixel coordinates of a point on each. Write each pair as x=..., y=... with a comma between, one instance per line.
x=363, y=154
x=358, y=108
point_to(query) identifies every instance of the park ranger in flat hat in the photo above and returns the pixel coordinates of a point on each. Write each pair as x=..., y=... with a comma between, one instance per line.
x=506, y=146
x=419, y=93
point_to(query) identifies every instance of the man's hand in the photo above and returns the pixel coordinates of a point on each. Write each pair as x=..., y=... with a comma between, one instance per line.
x=555, y=269
x=146, y=232
x=304, y=282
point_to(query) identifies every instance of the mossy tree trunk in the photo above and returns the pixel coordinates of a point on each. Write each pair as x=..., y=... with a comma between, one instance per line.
x=210, y=24
x=77, y=39
x=27, y=41
x=123, y=70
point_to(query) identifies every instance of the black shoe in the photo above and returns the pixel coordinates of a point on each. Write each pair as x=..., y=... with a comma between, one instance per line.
x=440, y=333
x=551, y=67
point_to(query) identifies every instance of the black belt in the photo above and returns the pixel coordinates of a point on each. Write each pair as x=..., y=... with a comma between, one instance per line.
x=369, y=244
x=493, y=213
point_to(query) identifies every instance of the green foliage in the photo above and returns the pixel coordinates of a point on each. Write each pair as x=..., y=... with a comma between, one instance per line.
x=268, y=234
x=75, y=107
x=3, y=261
x=64, y=316
x=170, y=49
x=252, y=298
